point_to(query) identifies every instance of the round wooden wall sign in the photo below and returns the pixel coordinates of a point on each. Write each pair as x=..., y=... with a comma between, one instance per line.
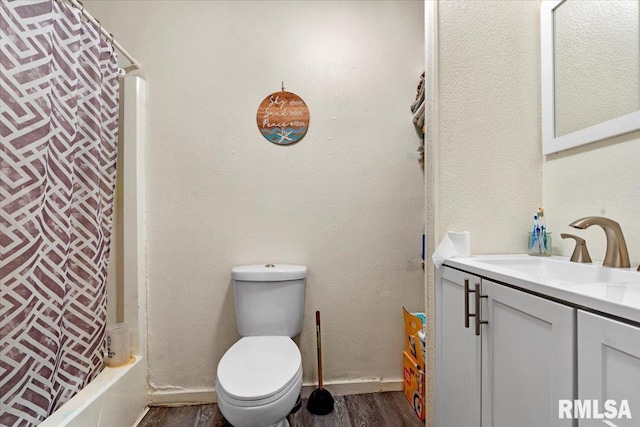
x=283, y=118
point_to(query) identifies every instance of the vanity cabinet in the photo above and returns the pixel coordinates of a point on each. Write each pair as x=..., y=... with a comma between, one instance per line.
x=609, y=365
x=515, y=370
x=527, y=358
x=458, y=356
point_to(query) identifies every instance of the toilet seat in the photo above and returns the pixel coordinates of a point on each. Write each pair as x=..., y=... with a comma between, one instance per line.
x=259, y=370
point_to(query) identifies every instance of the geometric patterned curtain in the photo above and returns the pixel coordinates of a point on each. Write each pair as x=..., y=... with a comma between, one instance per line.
x=59, y=108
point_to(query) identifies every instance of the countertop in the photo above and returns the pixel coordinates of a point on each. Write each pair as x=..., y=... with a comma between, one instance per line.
x=619, y=298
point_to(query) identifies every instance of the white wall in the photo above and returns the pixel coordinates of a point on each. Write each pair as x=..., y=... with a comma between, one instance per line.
x=347, y=201
x=489, y=122
x=599, y=179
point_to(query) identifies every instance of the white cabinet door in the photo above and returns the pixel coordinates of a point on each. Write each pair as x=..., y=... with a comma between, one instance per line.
x=527, y=358
x=457, y=353
x=609, y=367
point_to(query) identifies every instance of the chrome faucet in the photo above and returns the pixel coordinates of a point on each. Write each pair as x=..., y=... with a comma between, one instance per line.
x=617, y=254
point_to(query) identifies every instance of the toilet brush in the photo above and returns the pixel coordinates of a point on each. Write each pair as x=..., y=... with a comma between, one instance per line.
x=320, y=401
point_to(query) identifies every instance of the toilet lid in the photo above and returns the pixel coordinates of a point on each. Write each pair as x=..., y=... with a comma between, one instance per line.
x=255, y=368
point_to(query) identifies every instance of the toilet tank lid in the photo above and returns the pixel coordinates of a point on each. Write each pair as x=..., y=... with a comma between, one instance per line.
x=269, y=272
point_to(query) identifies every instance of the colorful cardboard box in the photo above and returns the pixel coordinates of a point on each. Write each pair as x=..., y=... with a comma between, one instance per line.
x=414, y=364
x=414, y=385
x=412, y=343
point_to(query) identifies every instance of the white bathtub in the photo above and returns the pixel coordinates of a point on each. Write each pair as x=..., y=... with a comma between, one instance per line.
x=115, y=398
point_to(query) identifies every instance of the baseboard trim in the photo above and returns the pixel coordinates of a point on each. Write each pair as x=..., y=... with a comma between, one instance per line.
x=343, y=388
x=182, y=397
x=336, y=388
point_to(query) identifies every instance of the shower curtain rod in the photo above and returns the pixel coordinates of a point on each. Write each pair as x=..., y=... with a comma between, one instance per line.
x=107, y=35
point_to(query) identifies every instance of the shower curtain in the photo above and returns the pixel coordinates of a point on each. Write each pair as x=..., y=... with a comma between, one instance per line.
x=58, y=124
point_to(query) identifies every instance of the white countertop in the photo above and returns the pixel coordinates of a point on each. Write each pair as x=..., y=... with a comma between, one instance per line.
x=582, y=286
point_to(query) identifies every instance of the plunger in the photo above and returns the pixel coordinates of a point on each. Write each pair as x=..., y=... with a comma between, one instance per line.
x=320, y=401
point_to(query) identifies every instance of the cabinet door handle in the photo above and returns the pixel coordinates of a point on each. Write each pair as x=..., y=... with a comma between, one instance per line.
x=478, y=314
x=467, y=315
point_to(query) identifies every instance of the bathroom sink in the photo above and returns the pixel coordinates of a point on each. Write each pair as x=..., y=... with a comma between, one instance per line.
x=559, y=270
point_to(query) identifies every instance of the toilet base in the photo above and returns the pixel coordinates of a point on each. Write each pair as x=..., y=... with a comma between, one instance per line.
x=261, y=415
x=283, y=423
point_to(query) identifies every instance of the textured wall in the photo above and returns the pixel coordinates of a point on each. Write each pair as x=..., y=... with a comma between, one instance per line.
x=601, y=179
x=347, y=200
x=489, y=122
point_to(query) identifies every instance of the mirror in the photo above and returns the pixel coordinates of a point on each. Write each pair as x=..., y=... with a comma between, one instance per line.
x=590, y=71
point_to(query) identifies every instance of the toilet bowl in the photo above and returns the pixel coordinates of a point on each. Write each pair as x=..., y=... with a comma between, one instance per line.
x=260, y=377
x=259, y=380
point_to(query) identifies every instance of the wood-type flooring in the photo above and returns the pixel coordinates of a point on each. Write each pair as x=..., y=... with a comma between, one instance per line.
x=389, y=409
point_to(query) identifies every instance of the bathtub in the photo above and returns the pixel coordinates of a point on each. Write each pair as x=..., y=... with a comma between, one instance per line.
x=117, y=397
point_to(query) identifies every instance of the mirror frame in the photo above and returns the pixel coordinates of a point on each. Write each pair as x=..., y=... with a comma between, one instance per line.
x=550, y=143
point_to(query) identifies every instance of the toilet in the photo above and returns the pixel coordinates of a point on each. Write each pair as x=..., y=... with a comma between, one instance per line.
x=259, y=378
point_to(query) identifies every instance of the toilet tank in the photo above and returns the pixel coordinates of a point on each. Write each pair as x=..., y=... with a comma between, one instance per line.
x=269, y=299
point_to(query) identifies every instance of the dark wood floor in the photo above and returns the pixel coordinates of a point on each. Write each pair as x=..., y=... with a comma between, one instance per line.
x=390, y=409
